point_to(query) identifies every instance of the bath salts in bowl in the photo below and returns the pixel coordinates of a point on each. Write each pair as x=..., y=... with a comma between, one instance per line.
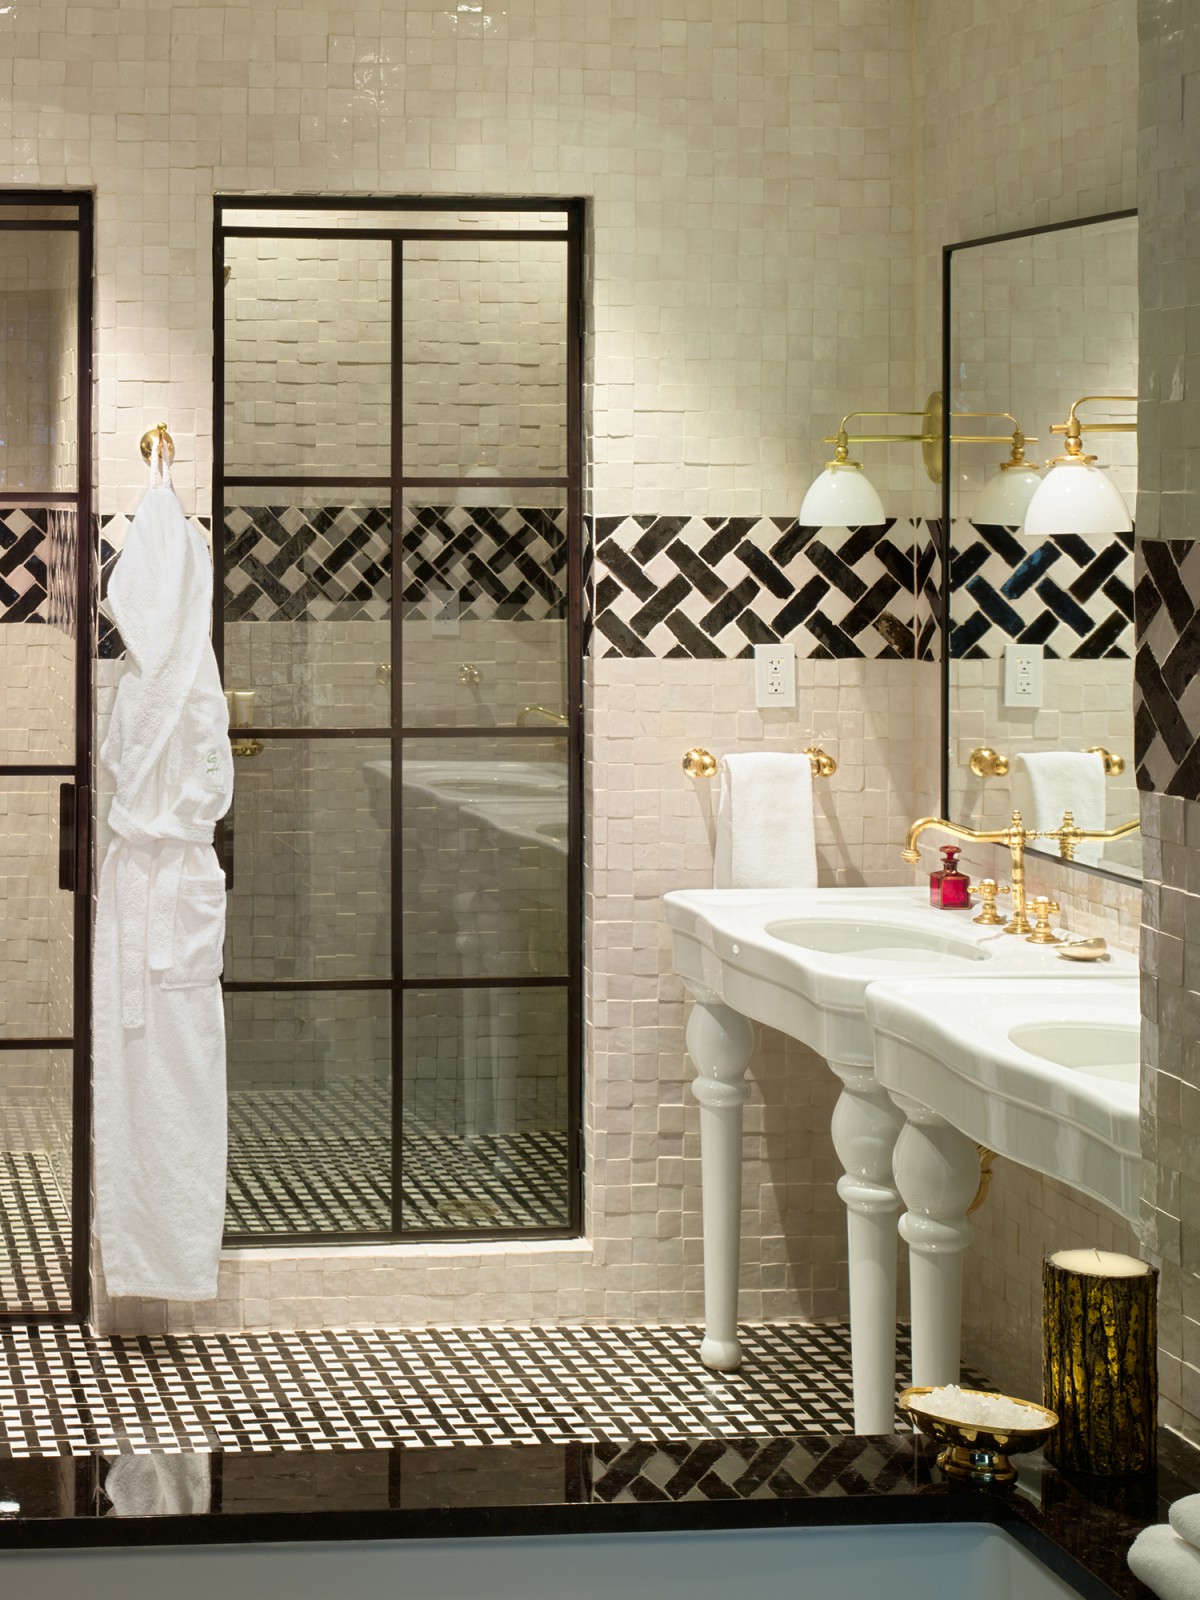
x=979, y=1409
x=978, y=1429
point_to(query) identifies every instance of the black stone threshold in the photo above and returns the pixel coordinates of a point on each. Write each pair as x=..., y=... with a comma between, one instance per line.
x=1079, y=1528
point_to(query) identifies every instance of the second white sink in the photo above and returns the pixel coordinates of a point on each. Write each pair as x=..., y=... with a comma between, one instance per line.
x=1040, y=1069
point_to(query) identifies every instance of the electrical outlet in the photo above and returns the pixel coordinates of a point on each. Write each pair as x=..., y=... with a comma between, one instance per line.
x=1023, y=675
x=774, y=675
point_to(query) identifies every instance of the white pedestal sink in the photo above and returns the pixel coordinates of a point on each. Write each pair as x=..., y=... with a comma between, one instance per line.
x=802, y=961
x=1040, y=1069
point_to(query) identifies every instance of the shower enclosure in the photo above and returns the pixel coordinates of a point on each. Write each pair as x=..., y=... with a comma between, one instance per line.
x=397, y=516
x=46, y=640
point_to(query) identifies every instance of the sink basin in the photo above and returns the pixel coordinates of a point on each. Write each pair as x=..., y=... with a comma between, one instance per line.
x=801, y=960
x=1038, y=1068
x=1102, y=1050
x=876, y=941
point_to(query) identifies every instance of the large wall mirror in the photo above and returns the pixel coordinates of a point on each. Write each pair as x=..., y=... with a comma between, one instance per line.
x=1038, y=645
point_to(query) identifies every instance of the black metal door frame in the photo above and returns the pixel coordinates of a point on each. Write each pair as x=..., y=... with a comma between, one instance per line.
x=573, y=212
x=75, y=832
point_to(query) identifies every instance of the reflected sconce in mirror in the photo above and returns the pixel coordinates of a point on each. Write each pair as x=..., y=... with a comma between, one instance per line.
x=844, y=497
x=1007, y=493
x=1076, y=496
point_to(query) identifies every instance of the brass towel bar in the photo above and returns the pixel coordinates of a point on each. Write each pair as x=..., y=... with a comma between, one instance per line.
x=701, y=763
x=988, y=763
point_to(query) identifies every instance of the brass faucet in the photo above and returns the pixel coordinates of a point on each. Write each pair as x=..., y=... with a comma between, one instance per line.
x=1069, y=834
x=1015, y=836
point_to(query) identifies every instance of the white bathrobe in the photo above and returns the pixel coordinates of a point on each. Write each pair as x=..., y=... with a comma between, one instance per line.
x=159, y=1035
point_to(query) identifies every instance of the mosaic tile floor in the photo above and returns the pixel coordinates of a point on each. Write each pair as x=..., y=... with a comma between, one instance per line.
x=35, y=1234
x=65, y=1392
x=319, y=1161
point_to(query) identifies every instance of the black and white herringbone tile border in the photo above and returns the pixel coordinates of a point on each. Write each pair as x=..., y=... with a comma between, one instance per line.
x=1166, y=721
x=1071, y=595
x=66, y=1392
x=39, y=550
x=288, y=563
x=509, y=562
x=24, y=565
x=750, y=1469
x=717, y=586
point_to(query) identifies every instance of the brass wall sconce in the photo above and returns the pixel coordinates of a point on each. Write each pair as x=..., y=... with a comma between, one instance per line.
x=1075, y=496
x=701, y=763
x=843, y=495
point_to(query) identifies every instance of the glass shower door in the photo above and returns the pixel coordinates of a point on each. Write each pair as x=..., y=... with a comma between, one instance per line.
x=400, y=624
x=45, y=745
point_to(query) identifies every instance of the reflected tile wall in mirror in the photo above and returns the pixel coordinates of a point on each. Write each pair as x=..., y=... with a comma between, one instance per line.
x=1035, y=323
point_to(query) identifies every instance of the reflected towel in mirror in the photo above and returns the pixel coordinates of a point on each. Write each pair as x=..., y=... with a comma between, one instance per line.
x=1045, y=783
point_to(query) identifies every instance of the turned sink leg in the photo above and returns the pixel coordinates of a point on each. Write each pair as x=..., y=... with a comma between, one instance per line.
x=720, y=1042
x=865, y=1127
x=937, y=1173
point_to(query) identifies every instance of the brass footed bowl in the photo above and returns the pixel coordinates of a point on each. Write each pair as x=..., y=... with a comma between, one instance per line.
x=978, y=1454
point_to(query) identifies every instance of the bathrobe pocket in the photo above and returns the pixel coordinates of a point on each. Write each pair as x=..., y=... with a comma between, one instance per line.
x=199, y=937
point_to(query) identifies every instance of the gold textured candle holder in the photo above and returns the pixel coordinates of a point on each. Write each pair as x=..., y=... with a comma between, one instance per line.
x=1099, y=1364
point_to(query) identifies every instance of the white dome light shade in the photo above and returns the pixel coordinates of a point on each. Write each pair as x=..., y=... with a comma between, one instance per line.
x=1076, y=497
x=842, y=497
x=1006, y=495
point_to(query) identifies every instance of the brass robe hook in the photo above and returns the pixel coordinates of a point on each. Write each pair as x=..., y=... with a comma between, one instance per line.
x=146, y=442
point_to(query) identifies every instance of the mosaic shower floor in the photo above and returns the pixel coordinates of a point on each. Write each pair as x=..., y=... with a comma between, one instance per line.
x=65, y=1392
x=318, y=1160
x=314, y=1164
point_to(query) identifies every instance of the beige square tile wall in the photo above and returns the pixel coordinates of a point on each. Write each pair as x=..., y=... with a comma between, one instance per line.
x=751, y=277
x=1169, y=123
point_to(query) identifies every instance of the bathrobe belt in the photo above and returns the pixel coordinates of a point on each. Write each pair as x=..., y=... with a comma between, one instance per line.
x=148, y=873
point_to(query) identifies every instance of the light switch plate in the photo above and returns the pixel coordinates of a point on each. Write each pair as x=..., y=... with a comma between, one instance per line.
x=1023, y=664
x=774, y=675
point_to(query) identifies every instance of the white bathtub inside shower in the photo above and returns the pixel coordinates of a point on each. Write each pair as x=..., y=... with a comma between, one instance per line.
x=848, y=1563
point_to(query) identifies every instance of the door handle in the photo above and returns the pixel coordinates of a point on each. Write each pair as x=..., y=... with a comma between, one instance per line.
x=68, y=812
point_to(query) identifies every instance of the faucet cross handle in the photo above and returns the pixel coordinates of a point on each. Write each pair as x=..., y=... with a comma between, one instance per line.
x=988, y=890
x=1043, y=909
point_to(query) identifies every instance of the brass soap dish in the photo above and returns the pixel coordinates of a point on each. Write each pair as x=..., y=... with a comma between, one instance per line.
x=975, y=1453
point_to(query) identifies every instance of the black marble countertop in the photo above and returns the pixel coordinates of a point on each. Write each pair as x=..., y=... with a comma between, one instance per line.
x=1079, y=1528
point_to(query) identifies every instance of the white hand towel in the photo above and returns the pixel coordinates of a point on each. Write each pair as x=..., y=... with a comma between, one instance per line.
x=1165, y=1563
x=765, y=824
x=1048, y=782
x=1185, y=1518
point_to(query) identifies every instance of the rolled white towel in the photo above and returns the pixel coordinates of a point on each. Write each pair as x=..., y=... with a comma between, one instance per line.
x=1185, y=1518
x=1166, y=1563
x=765, y=823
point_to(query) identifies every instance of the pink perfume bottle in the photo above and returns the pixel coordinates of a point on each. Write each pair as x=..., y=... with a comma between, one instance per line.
x=948, y=887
